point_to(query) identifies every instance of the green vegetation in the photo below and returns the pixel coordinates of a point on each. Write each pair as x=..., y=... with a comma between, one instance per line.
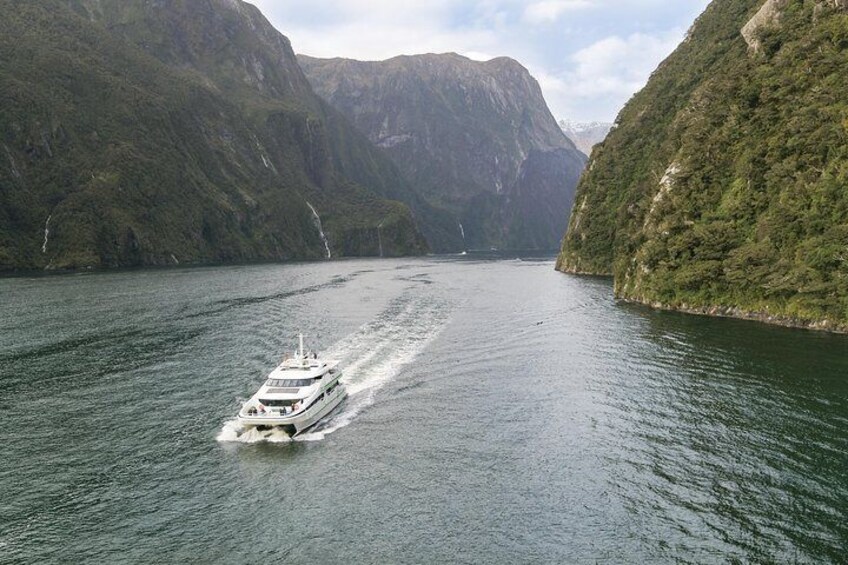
x=476, y=140
x=725, y=185
x=145, y=143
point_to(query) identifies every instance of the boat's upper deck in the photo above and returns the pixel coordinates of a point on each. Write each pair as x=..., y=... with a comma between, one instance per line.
x=302, y=368
x=297, y=377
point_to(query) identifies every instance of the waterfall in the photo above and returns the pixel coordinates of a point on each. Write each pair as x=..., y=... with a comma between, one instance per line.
x=311, y=156
x=380, y=237
x=316, y=219
x=46, y=233
x=462, y=231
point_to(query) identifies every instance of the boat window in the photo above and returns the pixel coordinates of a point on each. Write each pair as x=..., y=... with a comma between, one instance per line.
x=286, y=383
x=277, y=403
x=316, y=401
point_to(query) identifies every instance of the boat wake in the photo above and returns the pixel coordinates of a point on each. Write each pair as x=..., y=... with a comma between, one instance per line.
x=370, y=357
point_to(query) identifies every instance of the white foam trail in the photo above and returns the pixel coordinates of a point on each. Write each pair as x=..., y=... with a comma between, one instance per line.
x=382, y=356
x=371, y=357
x=232, y=432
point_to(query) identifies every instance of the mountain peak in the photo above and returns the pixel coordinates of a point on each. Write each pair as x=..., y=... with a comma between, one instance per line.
x=229, y=41
x=585, y=135
x=477, y=138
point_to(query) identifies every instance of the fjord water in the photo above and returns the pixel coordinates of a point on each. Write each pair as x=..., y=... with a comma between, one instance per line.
x=498, y=412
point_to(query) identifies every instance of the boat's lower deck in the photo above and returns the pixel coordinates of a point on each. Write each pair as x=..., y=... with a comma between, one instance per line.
x=298, y=422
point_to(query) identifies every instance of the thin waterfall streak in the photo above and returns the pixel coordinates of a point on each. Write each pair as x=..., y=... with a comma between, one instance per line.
x=46, y=234
x=380, y=237
x=316, y=219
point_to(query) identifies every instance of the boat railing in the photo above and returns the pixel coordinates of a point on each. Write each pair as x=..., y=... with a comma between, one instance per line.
x=272, y=410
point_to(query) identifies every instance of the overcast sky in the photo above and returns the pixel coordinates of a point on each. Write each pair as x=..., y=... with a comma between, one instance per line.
x=589, y=56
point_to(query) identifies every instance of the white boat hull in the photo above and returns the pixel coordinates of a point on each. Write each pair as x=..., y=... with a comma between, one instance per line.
x=299, y=421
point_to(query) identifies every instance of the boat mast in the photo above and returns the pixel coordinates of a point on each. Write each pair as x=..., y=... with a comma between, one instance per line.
x=301, y=346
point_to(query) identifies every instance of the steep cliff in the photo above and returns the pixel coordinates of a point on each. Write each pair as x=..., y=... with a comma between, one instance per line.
x=724, y=187
x=475, y=139
x=138, y=133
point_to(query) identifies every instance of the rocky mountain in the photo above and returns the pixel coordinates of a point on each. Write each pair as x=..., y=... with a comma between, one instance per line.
x=585, y=135
x=475, y=139
x=723, y=188
x=137, y=132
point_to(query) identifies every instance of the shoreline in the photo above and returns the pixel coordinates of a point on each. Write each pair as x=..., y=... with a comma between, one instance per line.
x=31, y=273
x=732, y=312
x=736, y=313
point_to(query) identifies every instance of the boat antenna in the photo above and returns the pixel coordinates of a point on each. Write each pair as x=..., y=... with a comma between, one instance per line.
x=301, y=346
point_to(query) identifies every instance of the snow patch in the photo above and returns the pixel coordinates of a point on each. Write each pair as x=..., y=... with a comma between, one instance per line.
x=581, y=127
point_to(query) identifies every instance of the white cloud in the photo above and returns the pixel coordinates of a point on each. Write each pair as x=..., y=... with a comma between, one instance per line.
x=589, y=56
x=549, y=11
x=380, y=29
x=604, y=75
x=477, y=55
x=620, y=65
x=377, y=42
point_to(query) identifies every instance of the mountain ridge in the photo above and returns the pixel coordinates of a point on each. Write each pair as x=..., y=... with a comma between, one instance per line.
x=114, y=155
x=469, y=135
x=585, y=135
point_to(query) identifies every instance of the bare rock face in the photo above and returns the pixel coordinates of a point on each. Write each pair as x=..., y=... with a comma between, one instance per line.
x=768, y=15
x=476, y=139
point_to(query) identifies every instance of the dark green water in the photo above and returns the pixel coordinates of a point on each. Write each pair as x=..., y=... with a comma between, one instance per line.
x=499, y=413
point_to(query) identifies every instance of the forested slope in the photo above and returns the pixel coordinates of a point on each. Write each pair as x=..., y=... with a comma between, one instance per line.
x=723, y=188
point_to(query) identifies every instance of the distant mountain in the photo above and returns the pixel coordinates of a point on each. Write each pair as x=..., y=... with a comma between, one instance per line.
x=724, y=188
x=137, y=133
x=585, y=135
x=475, y=139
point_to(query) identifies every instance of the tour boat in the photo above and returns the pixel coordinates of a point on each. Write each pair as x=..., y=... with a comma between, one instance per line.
x=296, y=395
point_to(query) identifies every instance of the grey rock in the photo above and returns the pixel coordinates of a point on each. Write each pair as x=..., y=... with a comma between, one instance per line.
x=475, y=138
